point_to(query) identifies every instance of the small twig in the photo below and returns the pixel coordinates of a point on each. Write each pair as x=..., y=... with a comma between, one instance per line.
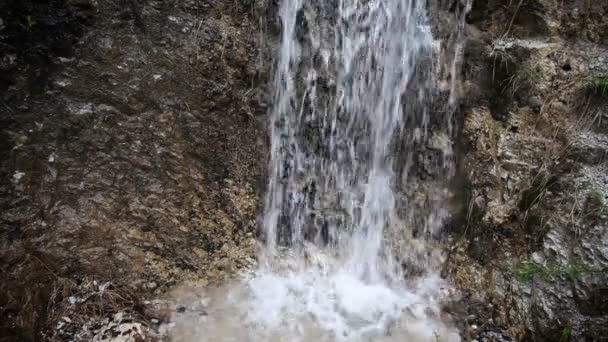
x=513, y=18
x=50, y=270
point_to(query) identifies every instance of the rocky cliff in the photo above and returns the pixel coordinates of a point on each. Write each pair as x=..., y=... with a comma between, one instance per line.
x=531, y=251
x=134, y=151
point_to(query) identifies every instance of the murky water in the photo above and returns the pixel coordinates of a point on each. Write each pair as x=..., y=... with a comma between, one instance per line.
x=354, y=85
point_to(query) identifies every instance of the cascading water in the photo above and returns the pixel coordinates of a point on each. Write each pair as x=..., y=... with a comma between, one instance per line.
x=332, y=150
x=345, y=255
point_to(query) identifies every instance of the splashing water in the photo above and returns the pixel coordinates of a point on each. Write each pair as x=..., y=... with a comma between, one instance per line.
x=346, y=255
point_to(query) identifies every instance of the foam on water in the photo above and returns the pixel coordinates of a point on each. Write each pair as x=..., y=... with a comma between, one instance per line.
x=341, y=307
x=316, y=305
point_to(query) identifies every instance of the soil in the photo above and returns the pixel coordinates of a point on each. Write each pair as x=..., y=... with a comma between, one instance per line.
x=134, y=151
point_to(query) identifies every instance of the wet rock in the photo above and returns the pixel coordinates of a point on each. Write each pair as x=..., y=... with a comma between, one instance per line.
x=491, y=336
x=535, y=103
x=83, y=8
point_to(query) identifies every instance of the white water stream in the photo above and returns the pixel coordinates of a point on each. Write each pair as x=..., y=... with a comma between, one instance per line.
x=354, y=84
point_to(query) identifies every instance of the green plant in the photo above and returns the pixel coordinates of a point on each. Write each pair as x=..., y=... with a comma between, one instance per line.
x=566, y=334
x=596, y=195
x=600, y=85
x=29, y=22
x=596, y=204
x=527, y=269
x=535, y=194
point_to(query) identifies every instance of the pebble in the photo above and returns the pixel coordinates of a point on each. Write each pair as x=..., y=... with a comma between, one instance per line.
x=17, y=176
x=151, y=285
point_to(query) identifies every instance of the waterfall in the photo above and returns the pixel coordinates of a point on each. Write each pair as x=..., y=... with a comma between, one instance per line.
x=356, y=138
x=350, y=89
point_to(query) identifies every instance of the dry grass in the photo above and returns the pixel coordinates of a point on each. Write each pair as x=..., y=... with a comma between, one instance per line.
x=34, y=297
x=90, y=301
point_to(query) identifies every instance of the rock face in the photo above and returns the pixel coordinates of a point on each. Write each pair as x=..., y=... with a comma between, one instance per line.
x=133, y=146
x=531, y=252
x=133, y=151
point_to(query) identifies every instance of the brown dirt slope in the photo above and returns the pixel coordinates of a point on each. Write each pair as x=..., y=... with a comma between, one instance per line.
x=132, y=152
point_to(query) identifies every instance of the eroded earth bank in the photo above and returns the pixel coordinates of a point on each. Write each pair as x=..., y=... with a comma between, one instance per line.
x=134, y=151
